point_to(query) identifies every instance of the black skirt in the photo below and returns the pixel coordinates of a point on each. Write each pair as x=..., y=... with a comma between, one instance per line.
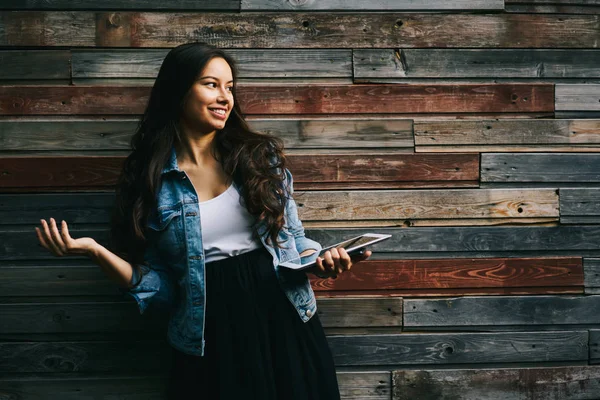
x=256, y=345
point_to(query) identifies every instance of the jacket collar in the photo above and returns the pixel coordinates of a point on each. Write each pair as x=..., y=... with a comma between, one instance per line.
x=171, y=165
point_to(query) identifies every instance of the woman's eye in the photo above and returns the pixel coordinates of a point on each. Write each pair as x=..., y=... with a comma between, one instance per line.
x=230, y=88
x=211, y=83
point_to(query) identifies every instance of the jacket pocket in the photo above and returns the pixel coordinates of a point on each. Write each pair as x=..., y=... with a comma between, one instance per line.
x=167, y=234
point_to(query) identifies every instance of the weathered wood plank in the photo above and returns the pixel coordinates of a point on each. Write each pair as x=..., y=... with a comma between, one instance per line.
x=474, y=63
x=456, y=273
x=124, y=316
x=292, y=99
x=533, y=167
x=507, y=134
x=459, y=348
x=355, y=5
x=478, y=312
x=299, y=30
x=577, y=97
x=35, y=64
x=594, y=346
x=353, y=350
x=579, y=205
x=364, y=385
x=426, y=204
x=251, y=63
x=114, y=134
x=199, y=5
x=318, y=171
x=592, y=275
x=558, y=383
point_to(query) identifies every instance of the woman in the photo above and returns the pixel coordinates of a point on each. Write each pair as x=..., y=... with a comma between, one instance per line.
x=203, y=217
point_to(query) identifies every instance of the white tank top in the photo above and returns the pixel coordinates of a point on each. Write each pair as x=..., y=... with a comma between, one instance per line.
x=226, y=226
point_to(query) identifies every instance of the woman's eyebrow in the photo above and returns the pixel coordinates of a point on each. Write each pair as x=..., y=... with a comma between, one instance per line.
x=212, y=77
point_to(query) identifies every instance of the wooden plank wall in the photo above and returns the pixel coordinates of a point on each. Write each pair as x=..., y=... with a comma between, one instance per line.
x=468, y=129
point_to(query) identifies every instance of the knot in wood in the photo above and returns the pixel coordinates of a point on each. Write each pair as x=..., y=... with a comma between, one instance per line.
x=298, y=3
x=114, y=20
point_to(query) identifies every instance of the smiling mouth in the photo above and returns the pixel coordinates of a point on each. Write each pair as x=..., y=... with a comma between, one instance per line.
x=218, y=111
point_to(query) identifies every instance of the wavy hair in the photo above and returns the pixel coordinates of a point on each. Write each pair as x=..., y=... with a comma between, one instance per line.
x=253, y=160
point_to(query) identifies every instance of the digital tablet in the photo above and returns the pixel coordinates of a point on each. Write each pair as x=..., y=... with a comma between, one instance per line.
x=352, y=246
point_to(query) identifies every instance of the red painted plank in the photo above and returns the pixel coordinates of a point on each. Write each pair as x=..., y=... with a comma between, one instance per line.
x=294, y=99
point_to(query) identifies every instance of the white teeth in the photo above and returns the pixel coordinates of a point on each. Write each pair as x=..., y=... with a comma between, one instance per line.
x=219, y=111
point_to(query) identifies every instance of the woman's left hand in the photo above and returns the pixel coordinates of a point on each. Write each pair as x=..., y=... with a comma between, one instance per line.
x=336, y=261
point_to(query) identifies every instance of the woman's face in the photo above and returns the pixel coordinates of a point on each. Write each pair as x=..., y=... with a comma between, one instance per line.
x=210, y=98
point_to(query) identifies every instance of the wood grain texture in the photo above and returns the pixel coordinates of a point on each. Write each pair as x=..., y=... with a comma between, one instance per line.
x=200, y=5
x=456, y=274
x=105, y=133
x=539, y=167
x=579, y=206
x=426, y=204
x=459, y=348
x=92, y=317
x=592, y=275
x=474, y=63
x=507, y=135
x=376, y=5
x=35, y=64
x=489, y=312
x=557, y=383
x=251, y=63
x=594, y=346
x=299, y=30
x=577, y=97
x=319, y=171
x=292, y=99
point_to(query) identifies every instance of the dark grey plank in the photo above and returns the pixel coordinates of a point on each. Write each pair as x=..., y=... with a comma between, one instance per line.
x=558, y=383
x=594, y=346
x=199, y=5
x=52, y=134
x=579, y=205
x=577, y=97
x=475, y=63
x=591, y=271
x=472, y=312
x=372, y=5
x=539, y=167
x=251, y=63
x=459, y=348
x=20, y=243
x=34, y=64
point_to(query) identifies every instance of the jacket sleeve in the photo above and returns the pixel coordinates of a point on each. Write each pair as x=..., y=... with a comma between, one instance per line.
x=294, y=224
x=152, y=283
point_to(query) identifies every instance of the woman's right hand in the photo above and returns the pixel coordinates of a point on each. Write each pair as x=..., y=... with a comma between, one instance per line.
x=62, y=244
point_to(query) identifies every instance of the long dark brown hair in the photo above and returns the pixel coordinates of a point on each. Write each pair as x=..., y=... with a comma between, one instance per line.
x=255, y=161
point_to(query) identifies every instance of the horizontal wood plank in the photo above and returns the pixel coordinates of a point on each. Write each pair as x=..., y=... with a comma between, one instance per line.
x=199, y=5
x=577, y=97
x=594, y=345
x=486, y=312
x=456, y=273
x=552, y=168
x=251, y=63
x=319, y=171
x=557, y=383
x=592, y=275
x=459, y=348
x=35, y=64
x=299, y=30
x=292, y=99
x=579, y=205
x=377, y=5
x=61, y=134
x=474, y=63
x=507, y=135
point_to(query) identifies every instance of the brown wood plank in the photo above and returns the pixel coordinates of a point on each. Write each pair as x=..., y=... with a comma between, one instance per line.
x=435, y=292
x=199, y=5
x=98, y=172
x=495, y=311
x=577, y=97
x=456, y=273
x=474, y=63
x=555, y=383
x=552, y=9
x=292, y=99
x=251, y=63
x=35, y=64
x=99, y=133
x=299, y=30
x=507, y=134
x=426, y=204
x=373, y=5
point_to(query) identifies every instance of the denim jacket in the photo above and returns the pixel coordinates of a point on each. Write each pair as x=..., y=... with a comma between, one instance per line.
x=172, y=276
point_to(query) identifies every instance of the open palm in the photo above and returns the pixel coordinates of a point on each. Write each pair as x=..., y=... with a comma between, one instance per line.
x=61, y=243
